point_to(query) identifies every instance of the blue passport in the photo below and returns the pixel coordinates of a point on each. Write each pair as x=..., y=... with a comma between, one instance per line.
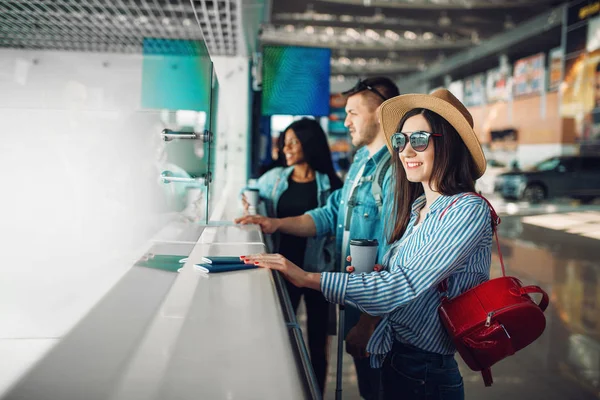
x=216, y=268
x=216, y=260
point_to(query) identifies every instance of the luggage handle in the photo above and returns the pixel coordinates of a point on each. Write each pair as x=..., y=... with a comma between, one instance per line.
x=525, y=290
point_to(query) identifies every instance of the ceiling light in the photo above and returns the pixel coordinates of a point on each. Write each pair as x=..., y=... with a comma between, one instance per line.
x=165, y=21
x=186, y=22
x=409, y=35
x=428, y=36
x=444, y=20
x=360, y=61
x=344, y=61
x=508, y=23
x=323, y=17
x=330, y=31
x=289, y=28
x=346, y=18
x=309, y=29
x=353, y=33
x=392, y=35
x=370, y=33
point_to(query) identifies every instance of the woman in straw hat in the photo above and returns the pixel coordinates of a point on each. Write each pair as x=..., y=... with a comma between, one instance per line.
x=438, y=233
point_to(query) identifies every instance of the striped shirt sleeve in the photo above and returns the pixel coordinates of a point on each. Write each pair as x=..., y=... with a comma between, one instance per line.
x=458, y=235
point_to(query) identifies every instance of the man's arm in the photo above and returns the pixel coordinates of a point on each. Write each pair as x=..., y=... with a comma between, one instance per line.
x=325, y=218
x=317, y=222
x=302, y=225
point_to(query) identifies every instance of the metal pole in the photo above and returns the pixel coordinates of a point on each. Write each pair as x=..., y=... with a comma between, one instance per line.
x=340, y=354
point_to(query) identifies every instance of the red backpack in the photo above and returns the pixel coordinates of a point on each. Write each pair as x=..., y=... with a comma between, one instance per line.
x=493, y=320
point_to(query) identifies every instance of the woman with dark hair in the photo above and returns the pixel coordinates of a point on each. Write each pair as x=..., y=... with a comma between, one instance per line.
x=441, y=233
x=289, y=191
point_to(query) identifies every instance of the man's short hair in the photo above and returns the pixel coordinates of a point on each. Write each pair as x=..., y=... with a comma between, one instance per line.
x=381, y=87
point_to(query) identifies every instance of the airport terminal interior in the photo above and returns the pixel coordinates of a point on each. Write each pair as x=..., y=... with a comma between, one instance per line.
x=132, y=130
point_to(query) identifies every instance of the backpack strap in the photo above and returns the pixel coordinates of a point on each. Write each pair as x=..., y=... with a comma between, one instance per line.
x=376, y=184
x=443, y=286
x=486, y=374
x=378, y=177
x=351, y=203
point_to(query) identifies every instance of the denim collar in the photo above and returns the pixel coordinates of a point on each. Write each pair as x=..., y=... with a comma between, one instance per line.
x=363, y=152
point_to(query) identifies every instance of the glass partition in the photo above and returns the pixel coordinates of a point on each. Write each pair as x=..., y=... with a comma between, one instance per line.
x=105, y=158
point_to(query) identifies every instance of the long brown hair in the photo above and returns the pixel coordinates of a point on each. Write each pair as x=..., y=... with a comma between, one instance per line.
x=453, y=170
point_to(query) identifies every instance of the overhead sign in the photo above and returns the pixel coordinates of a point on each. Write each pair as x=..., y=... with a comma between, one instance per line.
x=475, y=90
x=497, y=85
x=556, y=68
x=529, y=75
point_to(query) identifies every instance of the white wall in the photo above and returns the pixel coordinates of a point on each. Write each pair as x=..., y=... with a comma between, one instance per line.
x=79, y=165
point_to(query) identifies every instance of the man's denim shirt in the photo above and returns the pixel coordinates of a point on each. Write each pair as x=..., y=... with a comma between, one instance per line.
x=366, y=222
x=320, y=250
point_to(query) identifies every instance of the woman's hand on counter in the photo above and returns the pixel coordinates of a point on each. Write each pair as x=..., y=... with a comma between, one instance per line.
x=293, y=273
x=267, y=225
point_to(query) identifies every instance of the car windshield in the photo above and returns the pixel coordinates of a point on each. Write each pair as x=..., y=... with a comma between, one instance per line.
x=547, y=165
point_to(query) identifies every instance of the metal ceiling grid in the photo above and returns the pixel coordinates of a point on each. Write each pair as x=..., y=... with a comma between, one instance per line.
x=445, y=4
x=118, y=25
x=361, y=39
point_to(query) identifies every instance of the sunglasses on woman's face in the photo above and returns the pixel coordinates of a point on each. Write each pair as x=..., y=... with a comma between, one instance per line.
x=419, y=140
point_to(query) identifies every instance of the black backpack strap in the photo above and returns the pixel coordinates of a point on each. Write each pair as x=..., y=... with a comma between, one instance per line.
x=351, y=203
x=379, y=176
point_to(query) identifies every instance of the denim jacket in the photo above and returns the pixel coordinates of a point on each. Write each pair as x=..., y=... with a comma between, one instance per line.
x=366, y=222
x=320, y=250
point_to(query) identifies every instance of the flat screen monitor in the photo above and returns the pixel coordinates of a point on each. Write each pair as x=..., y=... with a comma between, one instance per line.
x=295, y=81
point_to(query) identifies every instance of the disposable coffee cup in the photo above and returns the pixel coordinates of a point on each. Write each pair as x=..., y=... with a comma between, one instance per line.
x=252, y=197
x=364, y=254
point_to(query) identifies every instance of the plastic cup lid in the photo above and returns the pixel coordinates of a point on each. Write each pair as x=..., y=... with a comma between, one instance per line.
x=364, y=242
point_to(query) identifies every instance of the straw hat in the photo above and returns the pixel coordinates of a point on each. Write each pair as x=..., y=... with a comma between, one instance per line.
x=441, y=102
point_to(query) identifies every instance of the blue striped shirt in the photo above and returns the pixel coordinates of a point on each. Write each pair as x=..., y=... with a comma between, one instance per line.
x=457, y=246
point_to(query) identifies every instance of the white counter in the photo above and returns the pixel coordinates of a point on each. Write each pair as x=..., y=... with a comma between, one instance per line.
x=186, y=335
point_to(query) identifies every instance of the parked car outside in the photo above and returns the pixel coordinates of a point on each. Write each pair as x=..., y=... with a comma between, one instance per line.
x=564, y=176
x=485, y=184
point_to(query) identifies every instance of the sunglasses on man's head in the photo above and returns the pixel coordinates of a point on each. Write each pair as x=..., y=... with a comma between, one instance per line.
x=419, y=140
x=362, y=86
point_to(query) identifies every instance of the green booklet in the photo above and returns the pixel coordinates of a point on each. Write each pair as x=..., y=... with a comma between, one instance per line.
x=160, y=261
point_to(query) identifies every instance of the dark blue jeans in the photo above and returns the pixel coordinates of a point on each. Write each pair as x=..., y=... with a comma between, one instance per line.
x=410, y=373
